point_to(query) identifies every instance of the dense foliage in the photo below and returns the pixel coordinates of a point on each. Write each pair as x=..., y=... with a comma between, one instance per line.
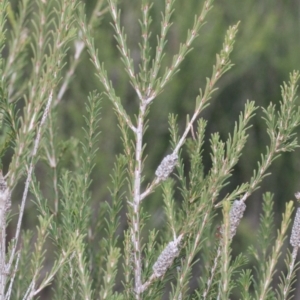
x=135, y=163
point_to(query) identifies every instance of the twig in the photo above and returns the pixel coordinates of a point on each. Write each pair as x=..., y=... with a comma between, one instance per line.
x=136, y=202
x=8, y=293
x=28, y=180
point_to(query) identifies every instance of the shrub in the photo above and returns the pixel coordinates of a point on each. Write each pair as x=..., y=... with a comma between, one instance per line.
x=83, y=254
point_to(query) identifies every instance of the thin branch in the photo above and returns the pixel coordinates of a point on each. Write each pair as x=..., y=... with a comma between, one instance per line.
x=102, y=74
x=212, y=274
x=79, y=47
x=28, y=180
x=8, y=293
x=222, y=65
x=290, y=274
x=136, y=230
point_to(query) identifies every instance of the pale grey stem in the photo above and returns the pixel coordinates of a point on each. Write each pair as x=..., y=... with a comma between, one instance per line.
x=148, y=283
x=262, y=170
x=28, y=180
x=8, y=293
x=157, y=180
x=3, y=273
x=212, y=274
x=46, y=281
x=28, y=291
x=135, y=230
x=150, y=188
x=79, y=46
x=289, y=276
x=123, y=49
x=32, y=287
x=187, y=130
x=4, y=205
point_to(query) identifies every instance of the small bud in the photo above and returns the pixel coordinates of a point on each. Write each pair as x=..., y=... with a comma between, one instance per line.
x=235, y=215
x=166, y=258
x=166, y=166
x=295, y=236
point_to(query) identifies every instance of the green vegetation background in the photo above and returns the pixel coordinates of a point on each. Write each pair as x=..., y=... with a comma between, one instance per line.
x=266, y=50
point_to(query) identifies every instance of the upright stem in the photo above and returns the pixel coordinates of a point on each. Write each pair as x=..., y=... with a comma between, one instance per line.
x=289, y=277
x=28, y=180
x=2, y=251
x=136, y=201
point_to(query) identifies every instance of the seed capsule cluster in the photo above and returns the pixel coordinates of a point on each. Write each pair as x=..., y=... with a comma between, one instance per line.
x=166, y=166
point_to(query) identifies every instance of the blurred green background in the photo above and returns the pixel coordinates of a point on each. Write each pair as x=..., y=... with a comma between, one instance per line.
x=267, y=48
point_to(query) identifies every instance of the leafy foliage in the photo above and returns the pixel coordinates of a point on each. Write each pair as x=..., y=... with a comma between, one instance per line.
x=154, y=230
